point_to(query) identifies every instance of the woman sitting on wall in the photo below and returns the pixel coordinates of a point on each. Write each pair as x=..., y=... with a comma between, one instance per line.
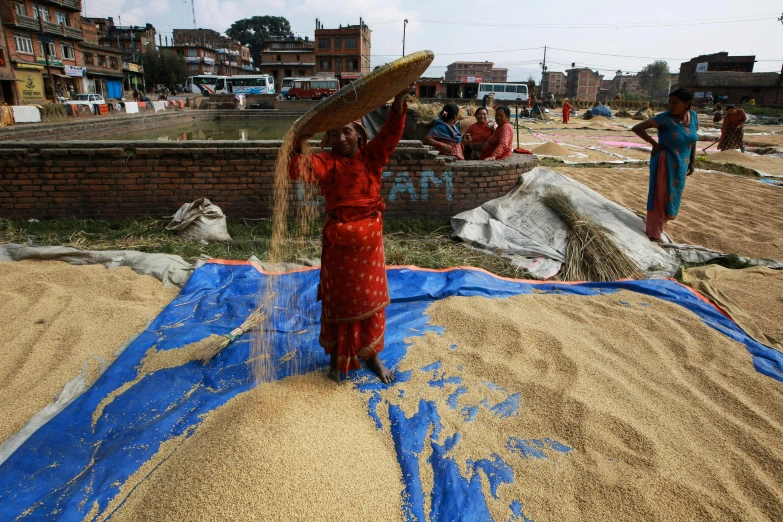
x=501, y=143
x=444, y=135
x=476, y=135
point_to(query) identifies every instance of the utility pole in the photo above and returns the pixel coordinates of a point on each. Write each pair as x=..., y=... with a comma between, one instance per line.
x=45, y=49
x=543, y=73
x=404, y=25
x=193, y=4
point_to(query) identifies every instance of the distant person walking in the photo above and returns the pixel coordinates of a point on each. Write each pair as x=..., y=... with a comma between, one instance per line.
x=672, y=159
x=732, y=133
x=566, y=110
x=136, y=95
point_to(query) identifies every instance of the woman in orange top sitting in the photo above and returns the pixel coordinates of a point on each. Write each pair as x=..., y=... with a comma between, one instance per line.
x=353, y=287
x=476, y=135
x=501, y=143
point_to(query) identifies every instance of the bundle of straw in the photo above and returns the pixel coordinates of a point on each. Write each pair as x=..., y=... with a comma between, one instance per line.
x=210, y=349
x=590, y=254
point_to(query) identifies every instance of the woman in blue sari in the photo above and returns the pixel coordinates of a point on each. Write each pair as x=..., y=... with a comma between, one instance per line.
x=672, y=159
x=444, y=135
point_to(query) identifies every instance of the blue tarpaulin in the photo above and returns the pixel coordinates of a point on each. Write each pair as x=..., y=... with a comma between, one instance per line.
x=71, y=463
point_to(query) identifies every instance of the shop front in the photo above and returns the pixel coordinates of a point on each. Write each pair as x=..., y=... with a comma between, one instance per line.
x=133, y=77
x=108, y=85
x=346, y=78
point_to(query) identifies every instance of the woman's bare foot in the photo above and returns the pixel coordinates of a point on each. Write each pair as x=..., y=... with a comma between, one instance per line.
x=384, y=374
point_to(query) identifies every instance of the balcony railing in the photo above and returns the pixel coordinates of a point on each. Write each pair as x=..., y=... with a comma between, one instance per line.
x=72, y=4
x=28, y=22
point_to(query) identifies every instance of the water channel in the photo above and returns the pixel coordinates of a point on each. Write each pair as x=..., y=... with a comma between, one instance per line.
x=239, y=130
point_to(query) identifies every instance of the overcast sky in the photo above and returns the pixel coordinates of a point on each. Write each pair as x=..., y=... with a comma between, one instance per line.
x=510, y=33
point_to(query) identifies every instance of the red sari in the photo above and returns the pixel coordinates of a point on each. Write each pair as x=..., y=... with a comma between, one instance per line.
x=353, y=287
x=500, y=144
x=566, y=111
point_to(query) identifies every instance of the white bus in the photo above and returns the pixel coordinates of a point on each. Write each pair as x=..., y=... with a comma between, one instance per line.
x=204, y=84
x=503, y=91
x=245, y=84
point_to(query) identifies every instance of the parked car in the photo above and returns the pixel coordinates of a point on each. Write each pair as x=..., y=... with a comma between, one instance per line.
x=90, y=100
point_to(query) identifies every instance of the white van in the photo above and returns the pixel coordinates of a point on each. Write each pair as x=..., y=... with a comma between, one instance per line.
x=503, y=91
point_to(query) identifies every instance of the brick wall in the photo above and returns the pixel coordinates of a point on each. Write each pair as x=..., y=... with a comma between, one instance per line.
x=111, y=180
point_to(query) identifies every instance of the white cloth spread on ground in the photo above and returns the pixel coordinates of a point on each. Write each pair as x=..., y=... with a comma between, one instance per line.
x=26, y=114
x=131, y=107
x=159, y=105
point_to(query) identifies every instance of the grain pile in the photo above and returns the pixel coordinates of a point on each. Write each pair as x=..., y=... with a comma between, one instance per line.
x=600, y=119
x=765, y=164
x=761, y=297
x=297, y=449
x=57, y=319
x=657, y=418
x=551, y=148
x=728, y=214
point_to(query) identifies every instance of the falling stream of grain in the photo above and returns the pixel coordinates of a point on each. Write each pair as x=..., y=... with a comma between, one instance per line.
x=280, y=294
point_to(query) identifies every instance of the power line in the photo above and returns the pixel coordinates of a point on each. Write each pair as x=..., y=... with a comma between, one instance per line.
x=632, y=25
x=477, y=52
x=619, y=55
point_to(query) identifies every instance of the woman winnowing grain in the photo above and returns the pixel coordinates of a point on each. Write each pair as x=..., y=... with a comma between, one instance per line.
x=353, y=287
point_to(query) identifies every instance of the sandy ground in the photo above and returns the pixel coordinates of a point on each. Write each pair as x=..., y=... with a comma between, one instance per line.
x=726, y=213
x=56, y=318
x=658, y=418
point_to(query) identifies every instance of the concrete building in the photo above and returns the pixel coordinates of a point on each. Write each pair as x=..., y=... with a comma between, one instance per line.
x=735, y=87
x=466, y=71
x=498, y=75
x=553, y=82
x=32, y=32
x=130, y=41
x=286, y=57
x=230, y=58
x=583, y=84
x=343, y=52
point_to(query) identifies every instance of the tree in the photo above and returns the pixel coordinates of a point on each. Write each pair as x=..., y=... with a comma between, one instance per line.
x=654, y=77
x=167, y=68
x=254, y=31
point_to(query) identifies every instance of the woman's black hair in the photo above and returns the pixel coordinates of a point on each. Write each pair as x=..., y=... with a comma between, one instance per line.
x=682, y=94
x=480, y=109
x=505, y=109
x=730, y=107
x=449, y=111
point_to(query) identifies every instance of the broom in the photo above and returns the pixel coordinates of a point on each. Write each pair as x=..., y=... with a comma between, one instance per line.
x=590, y=254
x=210, y=349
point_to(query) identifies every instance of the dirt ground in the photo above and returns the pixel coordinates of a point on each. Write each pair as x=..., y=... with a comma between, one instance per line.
x=726, y=213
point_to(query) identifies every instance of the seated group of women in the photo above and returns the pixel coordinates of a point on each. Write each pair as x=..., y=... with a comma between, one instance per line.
x=484, y=139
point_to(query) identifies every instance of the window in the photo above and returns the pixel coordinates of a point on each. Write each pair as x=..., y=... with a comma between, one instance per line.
x=42, y=12
x=511, y=88
x=67, y=51
x=351, y=65
x=323, y=43
x=326, y=63
x=88, y=59
x=277, y=58
x=20, y=10
x=102, y=60
x=498, y=88
x=522, y=89
x=49, y=47
x=297, y=57
x=338, y=64
x=114, y=63
x=350, y=43
x=23, y=44
x=62, y=18
x=301, y=72
x=275, y=46
x=336, y=43
x=192, y=52
x=485, y=88
x=193, y=67
x=107, y=44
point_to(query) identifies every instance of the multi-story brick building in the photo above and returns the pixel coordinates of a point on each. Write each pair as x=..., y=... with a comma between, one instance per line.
x=553, y=82
x=102, y=64
x=343, y=52
x=717, y=62
x=36, y=32
x=7, y=80
x=583, y=83
x=498, y=75
x=286, y=57
x=217, y=53
x=130, y=41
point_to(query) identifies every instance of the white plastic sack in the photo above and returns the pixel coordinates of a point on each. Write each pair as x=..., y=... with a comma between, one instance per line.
x=200, y=220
